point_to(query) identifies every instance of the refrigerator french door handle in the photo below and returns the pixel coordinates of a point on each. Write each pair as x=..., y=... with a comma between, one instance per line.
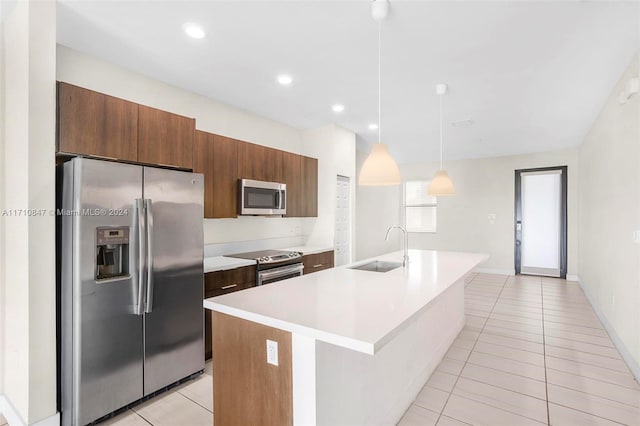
x=148, y=306
x=140, y=272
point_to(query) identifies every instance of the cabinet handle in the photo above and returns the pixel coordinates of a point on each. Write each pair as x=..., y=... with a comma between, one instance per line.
x=173, y=166
x=318, y=265
x=229, y=286
x=104, y=157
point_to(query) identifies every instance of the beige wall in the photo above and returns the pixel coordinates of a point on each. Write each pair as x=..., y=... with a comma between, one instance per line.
x=378, y=207
x=485, y=186
x=28, y=182
x=610, y=213
x=335, y=149
x=2, y=224
x=211, y=116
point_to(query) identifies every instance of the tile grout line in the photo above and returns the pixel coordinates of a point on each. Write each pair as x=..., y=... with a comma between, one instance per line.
x=471, y=351
x=141, y=416
x=544, y=350
x=195, y=402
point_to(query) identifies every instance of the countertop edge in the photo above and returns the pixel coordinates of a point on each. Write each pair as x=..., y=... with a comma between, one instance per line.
x=344, y=342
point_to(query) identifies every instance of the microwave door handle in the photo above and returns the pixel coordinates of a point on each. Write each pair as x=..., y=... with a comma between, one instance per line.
x=278, y=198
x=282, y=195
x=140, y=241
x=148, y=306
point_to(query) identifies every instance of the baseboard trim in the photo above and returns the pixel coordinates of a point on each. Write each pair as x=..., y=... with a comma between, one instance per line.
x=14, y=419
x=633, y=365
x=572, y=278
x=495, y=271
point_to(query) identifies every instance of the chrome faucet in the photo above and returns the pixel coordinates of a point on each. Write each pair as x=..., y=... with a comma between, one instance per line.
x=405, y=258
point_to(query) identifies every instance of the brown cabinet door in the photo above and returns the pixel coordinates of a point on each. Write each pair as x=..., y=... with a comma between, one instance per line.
x=225, y=183
x=217, y=158
x=292, y=177
x=91, y=123
x=203, y=163
x=259, y=162
x=309, y=187
x=317, y=262
x=222, y=282
x=164, y=138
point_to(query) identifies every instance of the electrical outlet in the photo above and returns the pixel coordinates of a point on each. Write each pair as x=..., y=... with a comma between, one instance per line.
x=272, y=352
x=636, y=237
x=492, y=218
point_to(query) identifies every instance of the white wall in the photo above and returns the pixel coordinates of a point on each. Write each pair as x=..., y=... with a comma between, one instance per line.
x=378, y=209
x=483, y=186
x=610, y=212
x=28, y=182
x=334, y=147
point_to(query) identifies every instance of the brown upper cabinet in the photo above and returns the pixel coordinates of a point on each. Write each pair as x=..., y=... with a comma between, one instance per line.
x=217, y=158
x=95, y=124
x=164, y=138
x=309, y=187
x=203, y=163
x=292, y=177
x=91, y=123
x=259, y=162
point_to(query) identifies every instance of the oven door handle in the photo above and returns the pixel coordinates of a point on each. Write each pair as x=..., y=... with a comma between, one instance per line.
x=279, y=272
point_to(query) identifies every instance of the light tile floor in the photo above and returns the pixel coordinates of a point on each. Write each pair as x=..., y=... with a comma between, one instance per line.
x=190, y=404
x=532, y=352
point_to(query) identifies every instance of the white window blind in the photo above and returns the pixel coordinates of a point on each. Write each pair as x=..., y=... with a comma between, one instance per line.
x=419, y=208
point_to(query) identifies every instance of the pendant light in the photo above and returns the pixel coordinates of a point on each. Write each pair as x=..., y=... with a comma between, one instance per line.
x=379, y=169
x=441, y=183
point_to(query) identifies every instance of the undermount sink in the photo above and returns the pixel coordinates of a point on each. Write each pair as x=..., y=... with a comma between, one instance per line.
x=378, y=266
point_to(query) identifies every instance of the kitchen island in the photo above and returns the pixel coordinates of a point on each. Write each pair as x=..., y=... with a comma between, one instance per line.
x=353, y=346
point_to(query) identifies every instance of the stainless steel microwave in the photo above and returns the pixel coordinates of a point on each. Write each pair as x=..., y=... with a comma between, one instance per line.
x=256, y=197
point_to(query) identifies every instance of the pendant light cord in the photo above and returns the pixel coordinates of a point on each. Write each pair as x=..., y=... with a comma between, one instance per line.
x=379, y=85
x=441, y=168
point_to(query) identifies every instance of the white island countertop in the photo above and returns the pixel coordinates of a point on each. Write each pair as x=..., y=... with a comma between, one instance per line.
x=359, y=310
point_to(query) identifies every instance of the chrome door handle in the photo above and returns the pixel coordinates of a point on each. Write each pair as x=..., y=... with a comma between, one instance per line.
x=140, y=273
x=148, y=306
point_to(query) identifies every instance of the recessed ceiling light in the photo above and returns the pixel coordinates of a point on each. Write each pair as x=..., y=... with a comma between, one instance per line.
x=193, y=30
x=285, y=79
x=337, y=108
x=373, y=126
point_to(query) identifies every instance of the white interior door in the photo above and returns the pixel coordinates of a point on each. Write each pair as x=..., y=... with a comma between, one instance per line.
x=541, y=222
x=343, y=215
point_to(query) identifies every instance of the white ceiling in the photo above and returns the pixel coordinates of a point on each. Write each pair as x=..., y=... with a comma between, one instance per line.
x=531, y=75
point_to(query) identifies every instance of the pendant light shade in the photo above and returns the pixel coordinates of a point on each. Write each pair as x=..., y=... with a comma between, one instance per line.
x=379, y=168
x=441, y=183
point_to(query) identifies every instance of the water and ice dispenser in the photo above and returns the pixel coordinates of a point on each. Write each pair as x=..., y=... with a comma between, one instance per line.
x=112, y=249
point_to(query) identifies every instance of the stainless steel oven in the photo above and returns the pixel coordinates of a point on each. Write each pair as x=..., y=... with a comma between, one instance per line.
x=274, y=265
x=268, y=276
x=256, y=197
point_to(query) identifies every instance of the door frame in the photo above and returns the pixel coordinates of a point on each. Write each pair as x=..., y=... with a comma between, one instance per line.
x=563, y=217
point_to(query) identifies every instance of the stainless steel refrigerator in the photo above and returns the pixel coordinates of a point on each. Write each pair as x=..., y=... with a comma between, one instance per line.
x=131, y=284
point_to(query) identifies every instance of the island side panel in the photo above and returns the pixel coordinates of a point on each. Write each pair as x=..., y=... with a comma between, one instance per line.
x=246, y=389
x=356, y=388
